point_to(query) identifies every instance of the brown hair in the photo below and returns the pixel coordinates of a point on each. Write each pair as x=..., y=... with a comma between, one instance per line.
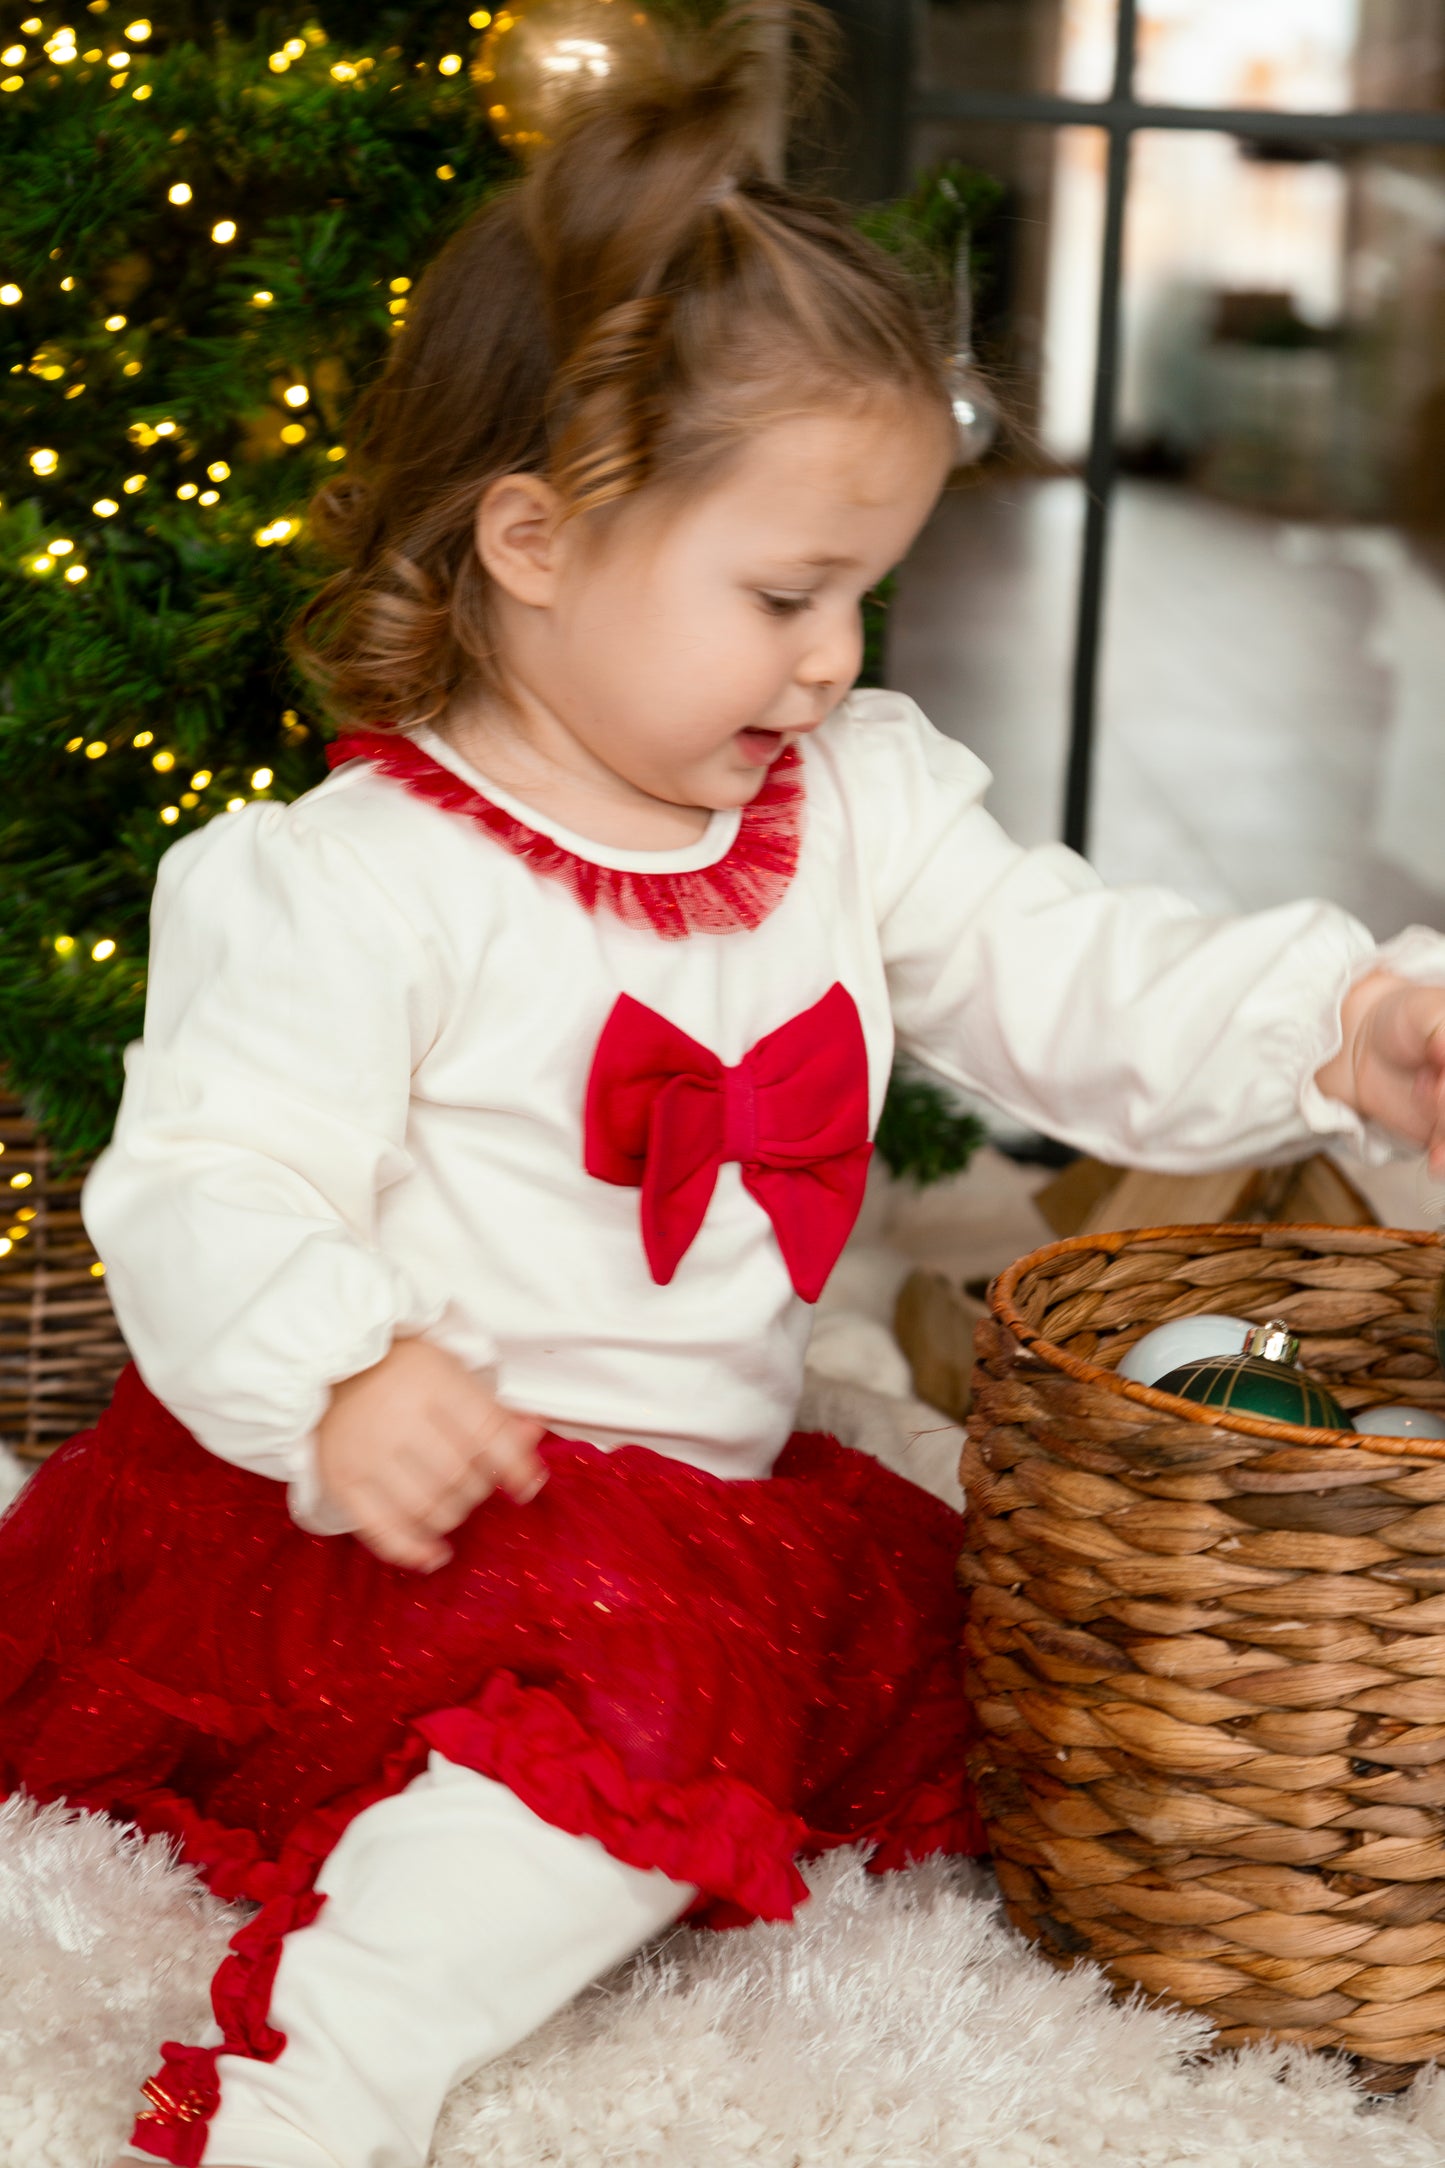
x=626, y=315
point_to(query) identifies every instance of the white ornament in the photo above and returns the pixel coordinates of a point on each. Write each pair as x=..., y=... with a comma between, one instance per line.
x=1393, y=1420
x=1182, y=1340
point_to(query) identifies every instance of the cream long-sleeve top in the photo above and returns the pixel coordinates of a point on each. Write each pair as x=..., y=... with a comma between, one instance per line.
x=357, y=1109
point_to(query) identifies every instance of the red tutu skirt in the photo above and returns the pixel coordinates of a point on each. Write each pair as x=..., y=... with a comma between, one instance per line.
x=709, y=1677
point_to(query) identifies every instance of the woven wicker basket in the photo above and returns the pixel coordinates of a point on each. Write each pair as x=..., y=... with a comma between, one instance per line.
x=1207, y=1651
x=60, y=1347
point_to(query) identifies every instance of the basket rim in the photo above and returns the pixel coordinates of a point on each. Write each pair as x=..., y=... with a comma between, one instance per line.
x=1004, y=1307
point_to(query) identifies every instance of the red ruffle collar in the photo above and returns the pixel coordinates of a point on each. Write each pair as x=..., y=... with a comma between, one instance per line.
x=737, y=892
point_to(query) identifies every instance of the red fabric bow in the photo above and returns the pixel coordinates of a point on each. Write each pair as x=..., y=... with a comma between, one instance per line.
x=663, y=1113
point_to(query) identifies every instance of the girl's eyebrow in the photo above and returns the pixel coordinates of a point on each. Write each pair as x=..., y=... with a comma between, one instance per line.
x=824, y=562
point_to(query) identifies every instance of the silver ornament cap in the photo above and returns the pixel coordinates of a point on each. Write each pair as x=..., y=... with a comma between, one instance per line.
x=1274, y=1341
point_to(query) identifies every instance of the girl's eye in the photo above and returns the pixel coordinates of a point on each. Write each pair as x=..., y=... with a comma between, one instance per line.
x=784, y=605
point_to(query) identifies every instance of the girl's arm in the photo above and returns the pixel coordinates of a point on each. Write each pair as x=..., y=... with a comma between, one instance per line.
x=1124, y=1021
x=264, y=1113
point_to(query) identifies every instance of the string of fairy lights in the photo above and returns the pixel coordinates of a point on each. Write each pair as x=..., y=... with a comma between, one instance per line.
x=60, y=48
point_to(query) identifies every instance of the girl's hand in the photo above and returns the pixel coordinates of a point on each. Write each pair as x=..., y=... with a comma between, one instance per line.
x=410, y=1446
x=1391, y=1068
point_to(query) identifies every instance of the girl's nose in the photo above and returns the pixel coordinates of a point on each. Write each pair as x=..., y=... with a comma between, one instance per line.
x=834, y=661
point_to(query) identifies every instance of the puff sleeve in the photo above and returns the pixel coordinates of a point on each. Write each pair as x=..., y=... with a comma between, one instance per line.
x=264, y=1112
x=1124, y=1021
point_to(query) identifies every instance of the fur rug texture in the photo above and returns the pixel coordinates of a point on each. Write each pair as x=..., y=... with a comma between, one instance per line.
x=897, y=2023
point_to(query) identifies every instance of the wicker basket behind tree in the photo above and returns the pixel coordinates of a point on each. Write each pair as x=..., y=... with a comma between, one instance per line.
x=60, y=1347
x=1208, y=1651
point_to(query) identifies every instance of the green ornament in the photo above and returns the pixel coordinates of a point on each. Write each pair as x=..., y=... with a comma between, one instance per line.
x=1264, y=1380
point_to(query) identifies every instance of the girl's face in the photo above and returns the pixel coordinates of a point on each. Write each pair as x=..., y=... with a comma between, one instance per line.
x=674, y=651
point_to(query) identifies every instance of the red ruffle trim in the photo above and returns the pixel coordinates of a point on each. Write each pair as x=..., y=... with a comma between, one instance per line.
x=747, y=883
x=185, y=2092
x=717, y=1832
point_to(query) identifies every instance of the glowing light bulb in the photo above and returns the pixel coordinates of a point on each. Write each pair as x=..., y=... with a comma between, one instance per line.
x=119, y=60
x=187, y=489
x=64, y=943
x=296, y=395
x=132, y=483
x=293, y=433
x=13, y=82
x=170, y=814
x=132, y=368
x=398, y=307
x=165, y=429
x=200, y=779
x=115, y=323
x=60, y=547
x=224, y=230
x=97, y=750
x=21, y=1181
x=97, y=1272
x=401, y=286
x=449, y=63
x=343, y=71
x=76, y=573
x=278, y=63
x=13, y=55
x=294, y=48
x=75, y=391
x=164, y=762
x=67, y=286
x=263, y=300
x=6, y=1245
x=337, y=451
x=103, y=507
x=31, y=26
x=234, y=805
x=179, y=192
x=141, y=91
x=480, y=19
x=218, y=470
x=144, y=737
x=45, y=461
x=103, y=951
x=262, y=779
x=73, y=745
x=189, y=799
x=10, y=295
x=138, y=31
x=209, y=496
x=446, y=173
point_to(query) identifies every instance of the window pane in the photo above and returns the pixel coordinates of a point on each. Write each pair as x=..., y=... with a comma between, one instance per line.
x=1018, y=45
x=981, y=628
x=1321, y=56
x=1276, y=612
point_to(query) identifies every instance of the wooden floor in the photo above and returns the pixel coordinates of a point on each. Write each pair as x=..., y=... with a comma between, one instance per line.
x=1261, y=737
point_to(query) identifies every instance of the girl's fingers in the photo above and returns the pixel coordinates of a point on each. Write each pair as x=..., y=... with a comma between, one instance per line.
x=502, y=1444
x=401, y=1540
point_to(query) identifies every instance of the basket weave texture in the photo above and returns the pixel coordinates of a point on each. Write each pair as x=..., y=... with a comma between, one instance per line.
x=1207, y=1651
x=60, y=1347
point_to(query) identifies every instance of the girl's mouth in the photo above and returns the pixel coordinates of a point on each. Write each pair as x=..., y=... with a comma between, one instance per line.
x=761, y=747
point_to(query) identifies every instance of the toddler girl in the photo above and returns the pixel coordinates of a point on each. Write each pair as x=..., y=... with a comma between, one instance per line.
x=443, y=1576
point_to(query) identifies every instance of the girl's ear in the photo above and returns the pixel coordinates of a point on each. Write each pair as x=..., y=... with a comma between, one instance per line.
x=519, y=537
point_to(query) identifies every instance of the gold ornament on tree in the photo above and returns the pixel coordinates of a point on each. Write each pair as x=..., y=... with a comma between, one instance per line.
x=539, y=54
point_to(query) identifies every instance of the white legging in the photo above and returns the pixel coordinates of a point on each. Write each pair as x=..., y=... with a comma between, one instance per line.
x=455, y=1922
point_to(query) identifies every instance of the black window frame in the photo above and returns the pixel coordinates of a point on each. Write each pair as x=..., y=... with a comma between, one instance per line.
x=1122, y=116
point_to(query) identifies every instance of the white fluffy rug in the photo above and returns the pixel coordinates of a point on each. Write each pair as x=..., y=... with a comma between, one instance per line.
x=898, y=2023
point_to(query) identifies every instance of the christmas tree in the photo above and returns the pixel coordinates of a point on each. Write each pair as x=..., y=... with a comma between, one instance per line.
x=210, y=227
